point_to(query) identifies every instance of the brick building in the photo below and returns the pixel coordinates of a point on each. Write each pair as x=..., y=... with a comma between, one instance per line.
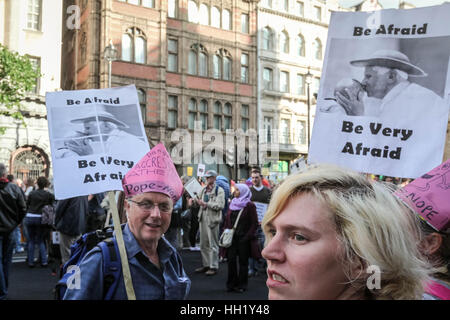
x=193, y=63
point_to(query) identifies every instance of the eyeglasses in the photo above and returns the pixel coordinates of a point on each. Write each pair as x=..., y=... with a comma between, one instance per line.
x=148, y=206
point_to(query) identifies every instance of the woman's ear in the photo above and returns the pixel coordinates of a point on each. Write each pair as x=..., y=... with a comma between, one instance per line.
x=431, y=243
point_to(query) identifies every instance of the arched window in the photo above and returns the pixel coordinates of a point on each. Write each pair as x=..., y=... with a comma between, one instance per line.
x=134, y=46
x=267, y=39
x=198, y=113
x=284, y=42
x=192, y=113
x=192, y=11
x=215, y=17
x=204, y=14
x=198, y=60
x=217, y=115
x=317, y=44
x=222, y=65
x=226, y=19
x=300, y=45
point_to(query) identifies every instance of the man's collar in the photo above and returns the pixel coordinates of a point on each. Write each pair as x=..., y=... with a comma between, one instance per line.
x=258, y=188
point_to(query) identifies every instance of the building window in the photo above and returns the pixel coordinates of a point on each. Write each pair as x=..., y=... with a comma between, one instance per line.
x=198, y=60
x=172, y=9
x=34, y=14
x=285, y=131
x=284, y=42
x=300, y=84
x=300, y=8
x=300, y=45
x=301, y=132
x=203, y=114
x=198, y=114
x=245, y=114
x=286, y=5
x=172, y=61
x=148, y=3
x=172, y=114
x=142, y=97
x=268, y=78
x=267, y=125
x=192, y=113
x=204, y=14
x=215, y=17
x=244, y=68
x=315, y=85
x=267, y=3
x=317, y=11
x=228, y=116
x=284, y=81
x=217, y=115
x=36, y=63
x=144, y=3
x=222, y=116
x=226, y=19
x=192, y=12
x=222, y=65
x=267, y=39
x=134, y=46
x=317, y=45
x=245, y=23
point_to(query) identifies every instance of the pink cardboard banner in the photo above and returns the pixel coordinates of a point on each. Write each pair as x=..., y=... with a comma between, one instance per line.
x=155, y=172
x=429, y=196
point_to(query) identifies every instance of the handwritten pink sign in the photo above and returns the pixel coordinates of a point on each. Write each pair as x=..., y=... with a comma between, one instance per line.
x=429, y=196
x=155, y=172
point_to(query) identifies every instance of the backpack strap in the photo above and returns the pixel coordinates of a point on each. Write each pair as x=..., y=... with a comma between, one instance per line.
x=112, y=267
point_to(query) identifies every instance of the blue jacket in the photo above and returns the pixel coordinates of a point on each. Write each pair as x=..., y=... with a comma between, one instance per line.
x=150, y=283
x=222, y=182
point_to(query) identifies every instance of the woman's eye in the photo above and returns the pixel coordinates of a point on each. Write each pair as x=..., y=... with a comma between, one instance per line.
x=299, y=237
x=272, y=232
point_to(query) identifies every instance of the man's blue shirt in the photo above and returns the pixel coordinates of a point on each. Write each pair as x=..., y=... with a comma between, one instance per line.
x=150, y=283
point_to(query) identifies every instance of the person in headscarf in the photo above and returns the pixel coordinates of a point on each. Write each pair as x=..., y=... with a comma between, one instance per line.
x=241, y=206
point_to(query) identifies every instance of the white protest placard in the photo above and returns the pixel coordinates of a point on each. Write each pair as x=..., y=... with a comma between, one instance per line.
x=96, y=136
x=382, y=107
x=201, y=170
x=55, y=237
x=261, y=209
x=193, y=187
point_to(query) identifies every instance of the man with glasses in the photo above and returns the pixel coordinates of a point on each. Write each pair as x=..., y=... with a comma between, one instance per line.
x=151, y=187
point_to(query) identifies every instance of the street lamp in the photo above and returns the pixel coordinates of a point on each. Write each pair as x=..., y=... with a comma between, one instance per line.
x=110, y=55
x=308, y=80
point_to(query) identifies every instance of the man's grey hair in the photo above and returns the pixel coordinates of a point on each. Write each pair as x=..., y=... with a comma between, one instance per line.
x=382, y=70
x=2, y=170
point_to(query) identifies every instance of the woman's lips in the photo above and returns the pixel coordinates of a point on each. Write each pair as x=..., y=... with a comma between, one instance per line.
x=274, y=279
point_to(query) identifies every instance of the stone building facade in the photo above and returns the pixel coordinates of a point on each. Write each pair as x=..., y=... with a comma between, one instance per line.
x=31, y=28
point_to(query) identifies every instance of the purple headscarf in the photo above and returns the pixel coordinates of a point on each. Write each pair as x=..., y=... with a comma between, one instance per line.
x=244, y=197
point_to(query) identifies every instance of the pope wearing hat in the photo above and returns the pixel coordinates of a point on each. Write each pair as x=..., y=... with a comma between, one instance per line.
x=102, y=133
x=386, y=78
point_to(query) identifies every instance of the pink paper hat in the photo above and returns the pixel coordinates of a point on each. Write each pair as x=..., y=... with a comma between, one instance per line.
x=429, y=196
x=155, y=172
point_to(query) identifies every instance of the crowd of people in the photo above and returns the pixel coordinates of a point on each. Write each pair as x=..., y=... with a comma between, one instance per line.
x=315, y=235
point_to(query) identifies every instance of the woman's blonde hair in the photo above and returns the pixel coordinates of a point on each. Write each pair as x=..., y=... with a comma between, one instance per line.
x=373, y=226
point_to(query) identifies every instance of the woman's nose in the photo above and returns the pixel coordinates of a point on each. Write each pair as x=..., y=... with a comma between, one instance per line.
x=274, y=250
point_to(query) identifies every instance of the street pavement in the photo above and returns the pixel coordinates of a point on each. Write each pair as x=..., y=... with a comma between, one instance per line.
x=38, y=283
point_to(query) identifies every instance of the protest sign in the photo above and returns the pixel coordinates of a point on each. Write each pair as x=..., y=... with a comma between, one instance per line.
x=193, y=187
x=382, y=106
x=429, y=196
x=96, y=136
x=261, y=209
x=201, y=170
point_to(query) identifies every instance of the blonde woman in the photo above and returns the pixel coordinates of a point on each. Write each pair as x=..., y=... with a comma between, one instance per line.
x=333, y=234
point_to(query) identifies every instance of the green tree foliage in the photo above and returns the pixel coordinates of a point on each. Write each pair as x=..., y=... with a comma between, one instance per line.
x=17, y=77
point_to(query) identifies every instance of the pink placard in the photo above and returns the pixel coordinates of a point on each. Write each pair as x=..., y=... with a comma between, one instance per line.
x=429, y=196
x=155, y=172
